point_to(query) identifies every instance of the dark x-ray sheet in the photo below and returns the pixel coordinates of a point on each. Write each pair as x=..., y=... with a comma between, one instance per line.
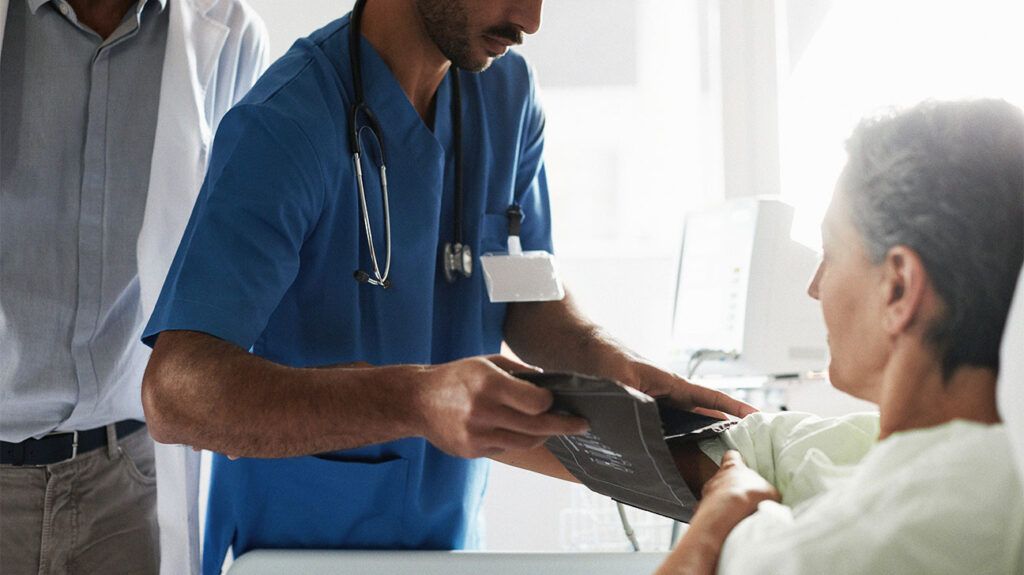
x=625, y=455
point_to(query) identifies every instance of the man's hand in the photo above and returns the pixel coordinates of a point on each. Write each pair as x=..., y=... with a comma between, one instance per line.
x=655, y=382
x=558, y=337
x=475, y=408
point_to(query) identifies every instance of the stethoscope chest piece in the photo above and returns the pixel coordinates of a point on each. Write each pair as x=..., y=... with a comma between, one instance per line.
x=458, y=261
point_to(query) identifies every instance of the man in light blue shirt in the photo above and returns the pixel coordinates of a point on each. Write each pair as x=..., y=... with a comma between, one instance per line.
x=81, y=85
x=78, y=89
x=70, y=218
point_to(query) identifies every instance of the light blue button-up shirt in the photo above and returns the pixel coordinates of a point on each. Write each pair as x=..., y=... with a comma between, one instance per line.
x=79, y=117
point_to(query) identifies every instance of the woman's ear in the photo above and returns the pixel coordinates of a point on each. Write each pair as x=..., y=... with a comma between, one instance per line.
x=905, y=287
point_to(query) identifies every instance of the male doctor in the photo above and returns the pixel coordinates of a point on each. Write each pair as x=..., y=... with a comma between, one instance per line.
x=106, y=113
x=359, y=409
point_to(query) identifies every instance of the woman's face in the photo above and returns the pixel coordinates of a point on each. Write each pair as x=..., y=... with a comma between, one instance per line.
x=852, y=298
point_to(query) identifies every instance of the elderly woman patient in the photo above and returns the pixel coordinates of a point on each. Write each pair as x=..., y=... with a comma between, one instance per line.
x=923, y=244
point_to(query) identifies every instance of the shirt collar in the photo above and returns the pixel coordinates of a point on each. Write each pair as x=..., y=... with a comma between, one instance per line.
x=34, y=5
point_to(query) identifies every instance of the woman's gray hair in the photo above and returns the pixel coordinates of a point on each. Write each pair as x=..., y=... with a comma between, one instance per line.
x=946, y=179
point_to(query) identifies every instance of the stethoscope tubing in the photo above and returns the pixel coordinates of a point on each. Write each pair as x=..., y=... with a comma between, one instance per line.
x=378, y=279
x=360, y=108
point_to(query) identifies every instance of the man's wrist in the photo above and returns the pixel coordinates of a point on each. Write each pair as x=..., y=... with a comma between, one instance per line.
x=612, y=361
x=398, y=397
x=408, y=385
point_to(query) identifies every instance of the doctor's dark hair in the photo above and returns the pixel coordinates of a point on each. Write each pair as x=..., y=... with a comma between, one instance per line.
x=946, y=179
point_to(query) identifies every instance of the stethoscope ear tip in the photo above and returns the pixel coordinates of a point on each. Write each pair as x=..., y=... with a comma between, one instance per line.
x=364, y=278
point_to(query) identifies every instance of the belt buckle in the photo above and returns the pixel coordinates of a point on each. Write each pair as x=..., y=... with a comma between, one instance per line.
x=74, y=446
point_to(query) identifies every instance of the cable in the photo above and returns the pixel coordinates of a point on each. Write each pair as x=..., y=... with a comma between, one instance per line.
x=674, y=539
x=456, y=111
x=701, y=355
x=630, y=534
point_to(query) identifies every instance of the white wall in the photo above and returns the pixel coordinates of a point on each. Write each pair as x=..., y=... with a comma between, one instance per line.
x=288, y=20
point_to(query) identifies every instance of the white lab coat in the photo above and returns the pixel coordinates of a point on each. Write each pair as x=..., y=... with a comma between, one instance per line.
x=216, y=49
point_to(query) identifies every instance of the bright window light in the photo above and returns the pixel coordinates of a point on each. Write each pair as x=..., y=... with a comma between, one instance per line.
x=869, y=55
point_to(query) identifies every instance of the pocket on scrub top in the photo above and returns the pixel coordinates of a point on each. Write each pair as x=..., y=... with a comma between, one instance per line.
x=328, y=502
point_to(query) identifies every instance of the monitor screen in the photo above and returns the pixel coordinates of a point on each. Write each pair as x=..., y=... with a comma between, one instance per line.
x=714, y=270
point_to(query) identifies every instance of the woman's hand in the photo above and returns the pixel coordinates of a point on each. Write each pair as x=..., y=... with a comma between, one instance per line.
x=734, y=492
x=728, y=497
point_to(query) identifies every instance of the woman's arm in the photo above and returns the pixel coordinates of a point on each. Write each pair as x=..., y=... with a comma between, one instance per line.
x=728, y=497
x=695, y=467
x=538, y=460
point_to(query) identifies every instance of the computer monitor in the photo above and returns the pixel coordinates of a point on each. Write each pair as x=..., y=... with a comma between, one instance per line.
x=741, y=293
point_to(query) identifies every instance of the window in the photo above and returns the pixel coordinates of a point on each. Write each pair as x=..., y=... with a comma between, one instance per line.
x=862, y=56
x=620, y=84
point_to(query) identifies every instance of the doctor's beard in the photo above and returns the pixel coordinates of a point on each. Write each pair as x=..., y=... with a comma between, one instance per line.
x=447, y=24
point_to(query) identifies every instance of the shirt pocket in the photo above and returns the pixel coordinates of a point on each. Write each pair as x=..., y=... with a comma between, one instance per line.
x=322, y=502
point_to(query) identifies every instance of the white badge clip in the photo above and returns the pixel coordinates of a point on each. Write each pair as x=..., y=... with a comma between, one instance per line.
x=518, y=275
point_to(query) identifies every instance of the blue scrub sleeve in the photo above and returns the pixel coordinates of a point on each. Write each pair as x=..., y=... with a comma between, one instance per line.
x=263, y=194
x=531, y=186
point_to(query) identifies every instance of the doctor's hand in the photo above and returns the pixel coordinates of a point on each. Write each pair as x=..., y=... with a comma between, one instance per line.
x=474, y=407
x=656, y=382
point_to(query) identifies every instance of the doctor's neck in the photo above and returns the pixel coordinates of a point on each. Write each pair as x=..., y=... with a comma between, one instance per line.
x=397, y=33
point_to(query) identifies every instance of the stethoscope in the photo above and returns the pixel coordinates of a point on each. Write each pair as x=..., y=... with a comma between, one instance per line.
x=457, y=258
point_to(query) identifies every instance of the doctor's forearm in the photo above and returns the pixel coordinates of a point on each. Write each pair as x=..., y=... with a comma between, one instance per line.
x=556, y=336
x=202, y=391
x=205, y=392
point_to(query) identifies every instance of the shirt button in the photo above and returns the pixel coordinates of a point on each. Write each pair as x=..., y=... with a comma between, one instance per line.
x=64, y=9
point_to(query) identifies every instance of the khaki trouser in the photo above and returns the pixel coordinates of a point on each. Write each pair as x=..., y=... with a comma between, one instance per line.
x=94, y=514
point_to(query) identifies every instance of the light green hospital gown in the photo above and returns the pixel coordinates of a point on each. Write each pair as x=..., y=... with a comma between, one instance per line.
x=945, y=499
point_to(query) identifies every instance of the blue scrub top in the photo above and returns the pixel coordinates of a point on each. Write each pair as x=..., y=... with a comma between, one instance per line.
x=267, y=260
